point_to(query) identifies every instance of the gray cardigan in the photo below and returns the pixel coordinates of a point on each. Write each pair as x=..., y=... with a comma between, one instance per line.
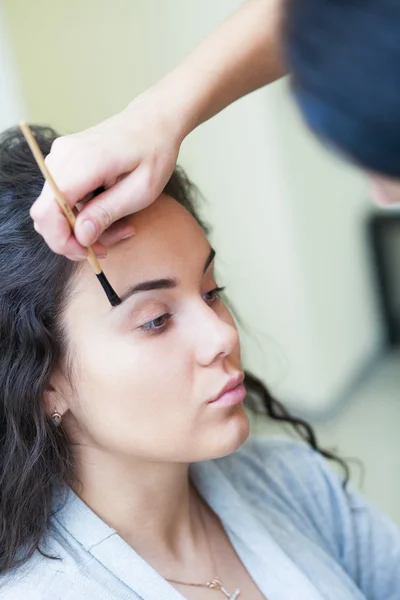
x=300, y=536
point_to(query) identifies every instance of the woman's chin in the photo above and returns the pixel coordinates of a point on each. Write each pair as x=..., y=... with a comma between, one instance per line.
x=231, y=435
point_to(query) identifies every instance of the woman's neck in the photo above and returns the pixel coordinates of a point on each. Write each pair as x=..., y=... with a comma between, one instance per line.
x=152, y=506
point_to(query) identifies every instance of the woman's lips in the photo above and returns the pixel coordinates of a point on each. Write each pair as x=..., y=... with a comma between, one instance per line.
x=233, y=393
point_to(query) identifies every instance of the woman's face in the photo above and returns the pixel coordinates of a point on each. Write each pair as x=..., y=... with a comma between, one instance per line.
x=144, y=373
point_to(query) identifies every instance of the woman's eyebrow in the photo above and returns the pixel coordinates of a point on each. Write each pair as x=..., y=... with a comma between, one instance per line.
x=209, y=260
x=148, y=286
x=159, y=284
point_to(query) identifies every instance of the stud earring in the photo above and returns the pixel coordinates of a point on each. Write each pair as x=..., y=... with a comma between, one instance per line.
x=56, y=418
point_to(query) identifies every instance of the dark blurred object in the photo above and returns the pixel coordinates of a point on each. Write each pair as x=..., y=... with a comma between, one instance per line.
x=385, y=237
x=344, y=56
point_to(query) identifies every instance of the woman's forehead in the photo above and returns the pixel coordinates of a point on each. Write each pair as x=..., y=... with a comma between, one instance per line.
x=168, y=243
x=164, y=231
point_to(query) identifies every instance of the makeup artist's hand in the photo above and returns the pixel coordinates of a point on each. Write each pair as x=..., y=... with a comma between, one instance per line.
x=132, y=155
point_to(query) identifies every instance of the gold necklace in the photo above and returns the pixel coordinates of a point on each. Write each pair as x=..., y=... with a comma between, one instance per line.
x=215, y=583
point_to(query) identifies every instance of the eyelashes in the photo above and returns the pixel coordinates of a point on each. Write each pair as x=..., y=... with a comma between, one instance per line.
x=156, y=325
x=161, y=323
x=213, y=295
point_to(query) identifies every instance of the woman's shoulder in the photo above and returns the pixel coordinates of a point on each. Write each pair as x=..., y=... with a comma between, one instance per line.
x=34, y=580
x=290, y=486
x=291, y=478
x=43, y=576
x=281, y=460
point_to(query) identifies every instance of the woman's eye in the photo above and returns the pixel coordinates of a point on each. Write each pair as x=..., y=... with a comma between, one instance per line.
x=213, y=295
x=156, y=325
x=161, y=323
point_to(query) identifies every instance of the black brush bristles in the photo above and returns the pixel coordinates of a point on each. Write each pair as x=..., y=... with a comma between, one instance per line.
x=110, y=293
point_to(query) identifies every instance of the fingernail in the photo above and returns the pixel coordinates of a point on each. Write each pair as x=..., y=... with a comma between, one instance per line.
x=128, y=235
x=76, y=257
x=89, y=230
x=101, y=255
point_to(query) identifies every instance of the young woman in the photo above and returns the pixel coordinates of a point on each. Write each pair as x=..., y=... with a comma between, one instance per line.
x=125, y=466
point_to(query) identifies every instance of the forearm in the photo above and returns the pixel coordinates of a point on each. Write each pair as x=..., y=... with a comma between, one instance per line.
x=239, y=56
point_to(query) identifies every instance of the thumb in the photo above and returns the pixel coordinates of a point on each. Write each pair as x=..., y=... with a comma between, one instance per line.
x=127, y=196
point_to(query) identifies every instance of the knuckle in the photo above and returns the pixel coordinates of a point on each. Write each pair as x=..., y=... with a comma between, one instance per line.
x=59, y=145
x=147, y=182
x=55, y=247
x=61, y=149
x=59, y=246
x=37, y=211
x=49, y=160
x=36, y=227
x=101, y=216
x=145, y=189
x=56, y=143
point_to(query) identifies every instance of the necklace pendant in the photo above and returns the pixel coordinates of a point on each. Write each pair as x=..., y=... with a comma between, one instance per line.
x=215, y=584
x=230, y=596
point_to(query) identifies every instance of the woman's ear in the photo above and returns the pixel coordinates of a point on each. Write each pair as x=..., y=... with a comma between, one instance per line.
x=55, y=396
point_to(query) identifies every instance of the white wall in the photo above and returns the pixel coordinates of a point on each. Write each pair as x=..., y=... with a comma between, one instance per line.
x=288, y=219
x=11, y=103
x=329, y=203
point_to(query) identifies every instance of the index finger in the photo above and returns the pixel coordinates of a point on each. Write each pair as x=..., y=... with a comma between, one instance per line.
x=74, y=183
x=74, y=177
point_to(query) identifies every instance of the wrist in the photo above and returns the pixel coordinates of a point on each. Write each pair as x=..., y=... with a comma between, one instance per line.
x=157, y=107
x=181, y=101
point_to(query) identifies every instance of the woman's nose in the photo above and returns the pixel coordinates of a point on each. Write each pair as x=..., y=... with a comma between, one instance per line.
x=216, y=337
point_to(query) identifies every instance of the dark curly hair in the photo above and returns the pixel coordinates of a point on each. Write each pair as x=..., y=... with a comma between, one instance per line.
x=36, y=457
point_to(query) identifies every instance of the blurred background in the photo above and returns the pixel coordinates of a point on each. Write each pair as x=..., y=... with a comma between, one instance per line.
x=309, y=266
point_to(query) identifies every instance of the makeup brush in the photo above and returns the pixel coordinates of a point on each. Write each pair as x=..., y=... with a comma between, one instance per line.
x=91, y=257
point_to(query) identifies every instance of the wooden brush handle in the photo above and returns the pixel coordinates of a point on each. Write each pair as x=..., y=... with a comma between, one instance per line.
x=68, y=212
